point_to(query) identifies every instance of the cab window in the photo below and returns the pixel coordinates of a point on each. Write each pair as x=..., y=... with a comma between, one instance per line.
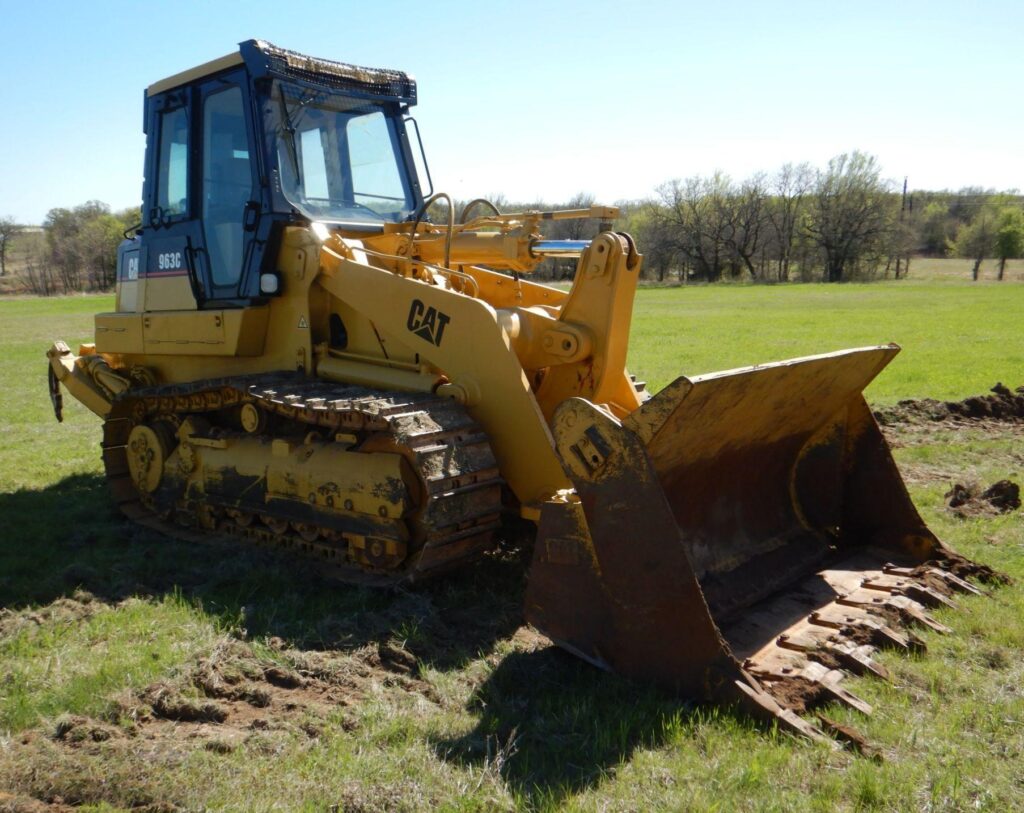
x=372, y=150
x=172, y=189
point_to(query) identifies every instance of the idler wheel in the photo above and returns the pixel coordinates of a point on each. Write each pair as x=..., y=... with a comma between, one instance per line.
x=148, y=449
x=252, y=418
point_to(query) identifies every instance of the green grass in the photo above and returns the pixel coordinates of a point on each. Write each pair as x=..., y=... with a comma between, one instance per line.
x=957, y=339
x=73, y=662
x=488, y=719
x=36, y=450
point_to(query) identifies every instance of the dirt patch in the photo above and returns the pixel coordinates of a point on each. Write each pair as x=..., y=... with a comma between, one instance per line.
x=234, y=695
x=79, y=606
x=1004, y=496
x=860, y=635
x=959, y=495
x=797, y=693
x=283, y=678
x=827, y=659
x=169, y=704
x=1001, y=405
x=73, y=728
x=972, y=500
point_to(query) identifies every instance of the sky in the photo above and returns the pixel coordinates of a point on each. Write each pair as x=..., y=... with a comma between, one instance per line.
x=542, y=100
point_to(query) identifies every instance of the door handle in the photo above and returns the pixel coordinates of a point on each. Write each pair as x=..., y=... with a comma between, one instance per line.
x=251, y=216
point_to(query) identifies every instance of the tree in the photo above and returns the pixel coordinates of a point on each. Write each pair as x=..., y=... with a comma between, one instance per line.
x=851, y=218
x=8, y=229
x=744, y=213
x=785, y=210
x=693, y=211
x=934, y=228
x=654, y=238
x=976, y=240
x=82, y=244
x=1009, y=237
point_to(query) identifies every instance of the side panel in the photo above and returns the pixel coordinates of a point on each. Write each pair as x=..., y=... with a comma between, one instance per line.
x=208, y=333
x=119, y=333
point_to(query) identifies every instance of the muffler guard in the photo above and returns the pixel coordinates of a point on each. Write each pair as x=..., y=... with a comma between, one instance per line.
x=744, y=534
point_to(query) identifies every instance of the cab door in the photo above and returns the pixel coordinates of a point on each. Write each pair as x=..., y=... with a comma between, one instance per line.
x=167, y=271
x=229, y=208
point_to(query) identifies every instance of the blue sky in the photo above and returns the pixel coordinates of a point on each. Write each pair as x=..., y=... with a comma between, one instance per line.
x=545, y=99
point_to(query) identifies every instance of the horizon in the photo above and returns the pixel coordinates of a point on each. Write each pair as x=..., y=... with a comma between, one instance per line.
x=595, y=104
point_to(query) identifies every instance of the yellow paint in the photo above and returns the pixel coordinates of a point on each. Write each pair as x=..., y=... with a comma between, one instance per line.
x=119, y=333
x=510, y=350
x=206, y=69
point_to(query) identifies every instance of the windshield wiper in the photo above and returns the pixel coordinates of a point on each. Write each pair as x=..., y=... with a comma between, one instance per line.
x=289, y=130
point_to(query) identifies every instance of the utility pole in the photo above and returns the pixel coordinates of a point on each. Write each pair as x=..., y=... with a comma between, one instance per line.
x=899, y=248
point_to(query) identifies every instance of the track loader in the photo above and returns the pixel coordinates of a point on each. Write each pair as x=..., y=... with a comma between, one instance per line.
x=300, y=356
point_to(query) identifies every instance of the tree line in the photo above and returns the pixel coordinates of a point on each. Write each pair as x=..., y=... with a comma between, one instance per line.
x=839, y=222
x=78, y=252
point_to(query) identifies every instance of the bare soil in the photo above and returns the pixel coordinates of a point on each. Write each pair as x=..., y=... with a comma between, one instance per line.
x=239, y=693
x=1002, y=404
x=81, y=605
x=973, y=500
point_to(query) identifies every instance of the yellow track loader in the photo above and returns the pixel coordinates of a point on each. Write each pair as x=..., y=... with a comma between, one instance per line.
x=301, y=356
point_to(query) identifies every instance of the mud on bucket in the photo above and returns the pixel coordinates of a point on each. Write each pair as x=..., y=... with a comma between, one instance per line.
x=715, y=518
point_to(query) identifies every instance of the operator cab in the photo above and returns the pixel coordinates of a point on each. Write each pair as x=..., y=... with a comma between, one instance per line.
x=241, y=146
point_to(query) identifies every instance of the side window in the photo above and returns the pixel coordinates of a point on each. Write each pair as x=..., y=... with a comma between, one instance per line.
x=227, y=183
x=376, y=181
x=172, y=173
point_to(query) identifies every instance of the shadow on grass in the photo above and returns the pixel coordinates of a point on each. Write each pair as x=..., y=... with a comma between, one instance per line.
x=553, y=726
x=69, y=536
x=549, y=724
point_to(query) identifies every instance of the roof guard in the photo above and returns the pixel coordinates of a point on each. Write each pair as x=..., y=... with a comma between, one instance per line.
x=353, y=78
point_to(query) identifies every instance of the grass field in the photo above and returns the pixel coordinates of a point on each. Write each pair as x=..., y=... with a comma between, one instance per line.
x=120, y=649
x=958, y=338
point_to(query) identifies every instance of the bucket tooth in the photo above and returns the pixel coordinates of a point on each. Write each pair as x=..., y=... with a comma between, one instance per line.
x=808, y=687
x=829, y=680
x=862, y=627
x=833, y=650
x=799, y=643
x=909, y=611
x=928, y=596
x=760, y=703
x=857, y=659
x=848, y=736
x=885, y=637
x=954, y=582
x=912, y=589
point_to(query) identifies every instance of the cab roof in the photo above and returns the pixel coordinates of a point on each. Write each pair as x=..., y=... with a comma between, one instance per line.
x=264, y=59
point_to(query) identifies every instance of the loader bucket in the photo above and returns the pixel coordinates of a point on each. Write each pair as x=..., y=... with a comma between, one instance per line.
x=743, y=534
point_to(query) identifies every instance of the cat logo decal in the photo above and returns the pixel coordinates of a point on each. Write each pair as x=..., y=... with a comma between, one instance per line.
x=427, y=322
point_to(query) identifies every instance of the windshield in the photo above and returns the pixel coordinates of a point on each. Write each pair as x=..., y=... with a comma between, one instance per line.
x=339, y=157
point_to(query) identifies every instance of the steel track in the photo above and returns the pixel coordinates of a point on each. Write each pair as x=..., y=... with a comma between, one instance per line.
x=461, y=495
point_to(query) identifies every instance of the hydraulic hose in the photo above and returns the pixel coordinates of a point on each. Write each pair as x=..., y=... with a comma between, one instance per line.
x=451, y=225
